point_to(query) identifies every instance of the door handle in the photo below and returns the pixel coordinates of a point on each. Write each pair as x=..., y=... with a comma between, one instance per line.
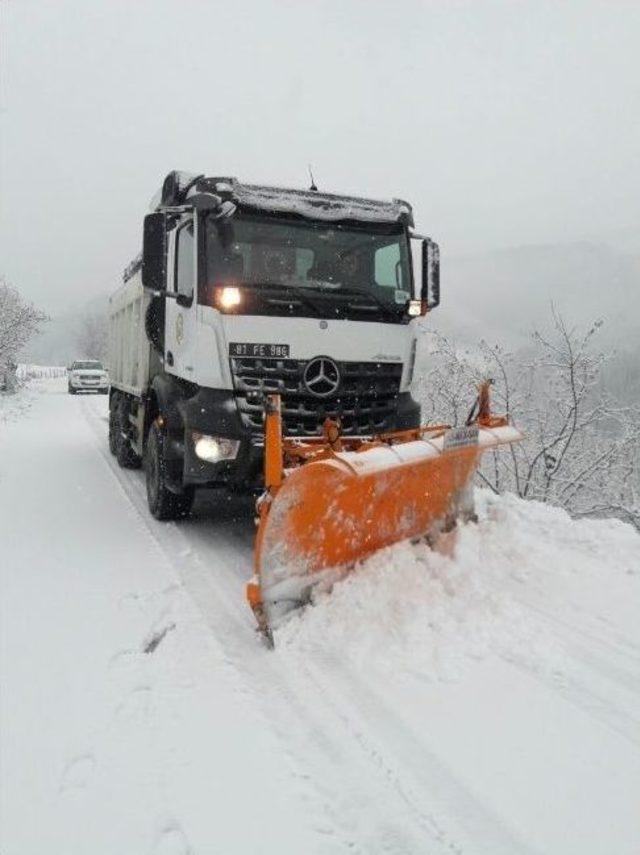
x=169, y=358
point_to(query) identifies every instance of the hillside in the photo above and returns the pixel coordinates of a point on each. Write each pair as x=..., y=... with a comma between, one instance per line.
x=502, y=295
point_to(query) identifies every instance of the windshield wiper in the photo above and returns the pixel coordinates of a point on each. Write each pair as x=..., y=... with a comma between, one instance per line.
x=323, y=285
x=293, y=289
x=330, y=288
x=301, y=292
x=389, y=310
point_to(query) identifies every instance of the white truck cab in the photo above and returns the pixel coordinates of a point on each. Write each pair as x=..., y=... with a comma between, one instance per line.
x=244, y=290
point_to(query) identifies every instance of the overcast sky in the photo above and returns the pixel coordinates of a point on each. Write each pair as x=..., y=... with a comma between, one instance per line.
x=502, y=122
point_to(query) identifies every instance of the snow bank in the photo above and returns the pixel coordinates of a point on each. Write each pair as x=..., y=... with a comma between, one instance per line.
x=411, y=608
x=16, y=402
x=14, y=405
x=510, y=668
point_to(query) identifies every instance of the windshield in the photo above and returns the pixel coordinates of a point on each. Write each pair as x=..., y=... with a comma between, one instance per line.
x=86, y=366
x=326, y=258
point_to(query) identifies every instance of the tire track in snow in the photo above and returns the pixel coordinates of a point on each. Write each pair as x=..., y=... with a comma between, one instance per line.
x=588, y=656
x=484, y=831
x=220, y=599
x=605, y=654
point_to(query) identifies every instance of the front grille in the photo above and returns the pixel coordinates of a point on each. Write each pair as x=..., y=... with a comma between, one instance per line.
x=365, y=402
x=90, y=377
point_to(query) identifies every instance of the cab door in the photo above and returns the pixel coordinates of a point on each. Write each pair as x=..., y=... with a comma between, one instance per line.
x=181, y=304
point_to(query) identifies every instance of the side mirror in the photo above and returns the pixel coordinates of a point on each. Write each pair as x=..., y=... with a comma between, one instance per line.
x=430, y=273
x=154, y=252
x=425, y=261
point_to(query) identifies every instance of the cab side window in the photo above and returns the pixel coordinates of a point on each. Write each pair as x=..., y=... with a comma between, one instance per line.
x=388, y=268
x=185, y=267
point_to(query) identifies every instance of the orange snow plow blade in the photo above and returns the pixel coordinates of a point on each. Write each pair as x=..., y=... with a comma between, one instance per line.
x=332, y=501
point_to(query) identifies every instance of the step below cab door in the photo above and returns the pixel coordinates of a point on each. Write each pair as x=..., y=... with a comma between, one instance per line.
x=180, y=317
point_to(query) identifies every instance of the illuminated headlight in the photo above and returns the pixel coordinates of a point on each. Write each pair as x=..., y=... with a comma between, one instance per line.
x=414, y=309
x=228, y=297
x=214, y=448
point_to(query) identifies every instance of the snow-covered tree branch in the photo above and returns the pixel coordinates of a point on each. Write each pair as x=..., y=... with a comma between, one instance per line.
x=582, y=447
x=19, y=322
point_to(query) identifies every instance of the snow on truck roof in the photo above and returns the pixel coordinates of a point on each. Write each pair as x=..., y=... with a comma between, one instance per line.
x=311, y=204
x=320, y=206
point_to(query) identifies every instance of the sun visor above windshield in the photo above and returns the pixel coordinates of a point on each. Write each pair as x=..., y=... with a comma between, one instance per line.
x=321, y=206
x=310, y=204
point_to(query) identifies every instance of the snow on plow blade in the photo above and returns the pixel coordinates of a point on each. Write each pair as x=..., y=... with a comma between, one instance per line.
x=341, y=499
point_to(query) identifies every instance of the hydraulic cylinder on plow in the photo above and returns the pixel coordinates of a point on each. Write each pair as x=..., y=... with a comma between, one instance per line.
x=331, y=501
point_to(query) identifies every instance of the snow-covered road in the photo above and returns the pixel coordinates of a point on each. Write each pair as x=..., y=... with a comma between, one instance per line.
x=486, y=704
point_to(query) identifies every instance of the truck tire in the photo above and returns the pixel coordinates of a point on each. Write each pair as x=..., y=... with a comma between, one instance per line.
x=125, y=455
x=71, y=391
x=164, y=504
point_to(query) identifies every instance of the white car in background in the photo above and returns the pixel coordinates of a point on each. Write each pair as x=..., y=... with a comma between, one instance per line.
x=88, y=375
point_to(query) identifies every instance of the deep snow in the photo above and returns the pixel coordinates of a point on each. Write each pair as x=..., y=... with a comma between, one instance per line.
x=486, y=703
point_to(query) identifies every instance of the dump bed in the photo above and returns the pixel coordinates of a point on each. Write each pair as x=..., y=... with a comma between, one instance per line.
x=129, y=347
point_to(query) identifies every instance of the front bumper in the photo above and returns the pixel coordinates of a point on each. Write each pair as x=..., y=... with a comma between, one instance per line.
x=407, y=412
x=88, y=387
x=215, y=412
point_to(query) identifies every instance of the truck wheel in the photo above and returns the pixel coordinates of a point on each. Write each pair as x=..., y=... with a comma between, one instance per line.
x=163, y=503
x=125, y=455
x=113, y=423
x=71, y=391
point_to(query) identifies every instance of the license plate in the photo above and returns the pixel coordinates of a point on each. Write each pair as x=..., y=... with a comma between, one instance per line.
x=461, y=436
x=264, y=351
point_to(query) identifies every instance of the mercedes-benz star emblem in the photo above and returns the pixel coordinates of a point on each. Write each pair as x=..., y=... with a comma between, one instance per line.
x=321, y=377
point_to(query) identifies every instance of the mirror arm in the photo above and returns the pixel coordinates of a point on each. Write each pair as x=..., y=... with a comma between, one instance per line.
x=181, y=299
x=176, y=209
x=170, y=295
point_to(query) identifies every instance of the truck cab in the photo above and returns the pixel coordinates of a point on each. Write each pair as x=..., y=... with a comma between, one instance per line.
x=244, y=290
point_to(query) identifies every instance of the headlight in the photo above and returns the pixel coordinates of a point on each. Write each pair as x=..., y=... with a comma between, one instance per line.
x=215, y=448
x=228, y=297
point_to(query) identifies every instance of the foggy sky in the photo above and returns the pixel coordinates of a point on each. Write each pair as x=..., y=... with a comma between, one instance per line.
x=502, y=122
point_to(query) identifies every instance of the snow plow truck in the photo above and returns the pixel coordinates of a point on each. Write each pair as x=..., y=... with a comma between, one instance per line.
x=265, y=341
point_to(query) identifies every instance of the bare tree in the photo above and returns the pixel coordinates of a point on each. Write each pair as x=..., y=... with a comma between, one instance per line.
x=582, y=450
x=19, y=322
x=92, y=335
